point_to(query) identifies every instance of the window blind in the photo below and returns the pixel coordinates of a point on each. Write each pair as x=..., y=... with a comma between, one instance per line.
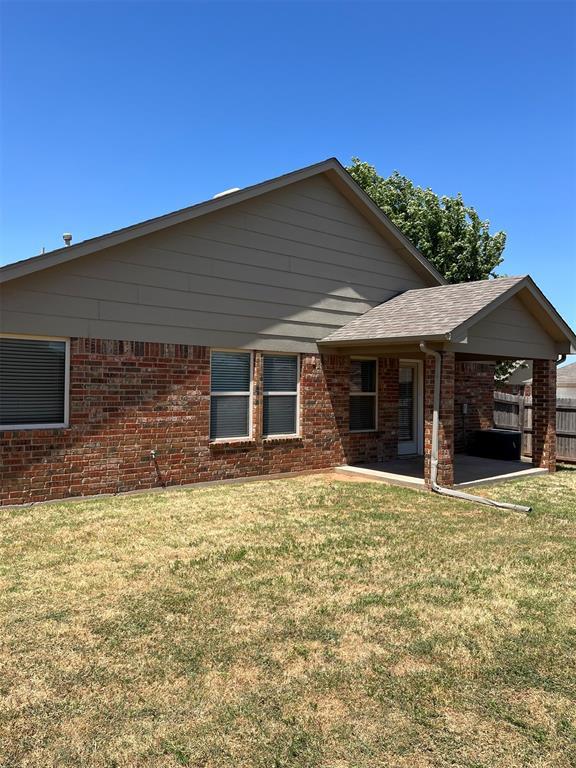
x=362, y=413
x=230, y=378
x=280, y=373
x=229, y=417
x=280, y=383
x=363, y=376
x=362, y=395
x=406, y=404
x=32, y=382
x=230, y=372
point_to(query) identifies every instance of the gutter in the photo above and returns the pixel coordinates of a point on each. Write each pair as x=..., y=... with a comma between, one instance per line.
x=434, y=458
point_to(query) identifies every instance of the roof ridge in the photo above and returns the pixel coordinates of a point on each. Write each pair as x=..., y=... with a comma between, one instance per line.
x=333, y=169
x=406, y=309
x=486, y=280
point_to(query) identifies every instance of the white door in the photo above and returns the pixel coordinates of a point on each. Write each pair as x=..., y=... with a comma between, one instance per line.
x=410, y=409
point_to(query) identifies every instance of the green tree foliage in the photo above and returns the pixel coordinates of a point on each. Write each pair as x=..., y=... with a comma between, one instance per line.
x=446, y=230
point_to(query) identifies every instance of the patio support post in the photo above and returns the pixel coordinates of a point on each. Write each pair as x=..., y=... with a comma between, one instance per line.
x=388, y=410
x=446, y=420
x=544, y=414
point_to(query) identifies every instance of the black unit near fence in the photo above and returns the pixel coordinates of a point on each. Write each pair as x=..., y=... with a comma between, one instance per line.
x=515, y=412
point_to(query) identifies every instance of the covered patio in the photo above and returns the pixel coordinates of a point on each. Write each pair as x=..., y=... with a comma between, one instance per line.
x=469, y=471
x=436, y=351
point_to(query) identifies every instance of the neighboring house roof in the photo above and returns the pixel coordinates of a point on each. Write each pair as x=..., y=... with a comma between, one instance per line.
x=332, y=168
x=521, y=375
x=565, y=375
x=442, y=313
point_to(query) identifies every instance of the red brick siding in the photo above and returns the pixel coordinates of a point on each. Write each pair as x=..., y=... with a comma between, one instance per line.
x=128, y=398
x=446, y=423
x=381, y=445
x=544, y=414
x=473, y=386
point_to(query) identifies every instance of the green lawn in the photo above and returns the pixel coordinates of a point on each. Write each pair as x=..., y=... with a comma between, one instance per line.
x=304, y=622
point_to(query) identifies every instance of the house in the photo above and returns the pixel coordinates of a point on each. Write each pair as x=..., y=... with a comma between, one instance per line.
x=520, y=381
x=283, y=327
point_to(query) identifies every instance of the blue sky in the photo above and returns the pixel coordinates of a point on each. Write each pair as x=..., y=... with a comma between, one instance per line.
x=116, y=112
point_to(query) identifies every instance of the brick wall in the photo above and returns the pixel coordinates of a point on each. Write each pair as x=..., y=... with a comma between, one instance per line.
x=128, y=398
x=446, y=419
x=473, y=386
x=544, y=414
x=381, y=445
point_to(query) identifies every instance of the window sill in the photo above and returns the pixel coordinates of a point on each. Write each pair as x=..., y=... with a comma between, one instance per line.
x=233, y=442
x=282, y=439
x=362, y=431
x=33, y=427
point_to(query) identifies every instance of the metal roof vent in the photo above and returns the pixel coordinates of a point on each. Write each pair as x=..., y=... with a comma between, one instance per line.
x=67, y=237
x=226, y=192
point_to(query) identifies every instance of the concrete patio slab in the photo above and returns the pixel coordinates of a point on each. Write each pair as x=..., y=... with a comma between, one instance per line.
x=469, y=471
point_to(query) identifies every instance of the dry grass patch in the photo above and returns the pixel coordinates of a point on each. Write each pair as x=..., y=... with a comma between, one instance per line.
x=295, y=623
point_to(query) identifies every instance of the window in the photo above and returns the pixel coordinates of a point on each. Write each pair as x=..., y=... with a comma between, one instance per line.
x=230, y=395
x=280, y=395
x=362, y=395
x=33, y=382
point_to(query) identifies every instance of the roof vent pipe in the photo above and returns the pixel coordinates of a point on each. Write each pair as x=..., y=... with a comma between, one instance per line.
x=67, y=237
x=434, y=457
x=226, y=192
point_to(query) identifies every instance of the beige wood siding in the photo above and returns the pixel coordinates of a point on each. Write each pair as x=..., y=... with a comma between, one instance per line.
x=277, y=272
x=511, y=330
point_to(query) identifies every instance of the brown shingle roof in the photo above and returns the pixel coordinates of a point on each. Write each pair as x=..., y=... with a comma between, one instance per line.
x=424, y=312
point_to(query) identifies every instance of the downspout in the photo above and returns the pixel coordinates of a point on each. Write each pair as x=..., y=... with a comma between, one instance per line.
x=434, y=456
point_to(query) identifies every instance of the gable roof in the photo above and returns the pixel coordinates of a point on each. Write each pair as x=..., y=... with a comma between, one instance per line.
x=333, y=170
x=444, y=313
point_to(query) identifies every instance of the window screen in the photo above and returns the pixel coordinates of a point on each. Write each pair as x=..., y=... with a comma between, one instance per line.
x=362, y=395
x=280, y=395
x=32, y=382
x=230, y=378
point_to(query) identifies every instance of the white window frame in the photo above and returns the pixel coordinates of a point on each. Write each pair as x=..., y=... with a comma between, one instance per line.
x=367, y=394
x=240, y=438
x=66, y=423
x=268, y=393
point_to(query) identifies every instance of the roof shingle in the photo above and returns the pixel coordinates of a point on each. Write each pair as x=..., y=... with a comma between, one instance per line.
x=424, y=312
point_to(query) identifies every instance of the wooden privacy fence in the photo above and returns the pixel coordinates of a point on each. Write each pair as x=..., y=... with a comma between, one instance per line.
x=515, y=412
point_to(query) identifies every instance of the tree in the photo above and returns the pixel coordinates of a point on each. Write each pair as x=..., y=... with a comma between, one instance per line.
x=447, y=231
x=444, y=229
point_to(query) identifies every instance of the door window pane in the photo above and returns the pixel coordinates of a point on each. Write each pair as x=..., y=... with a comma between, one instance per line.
x=407, y=404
